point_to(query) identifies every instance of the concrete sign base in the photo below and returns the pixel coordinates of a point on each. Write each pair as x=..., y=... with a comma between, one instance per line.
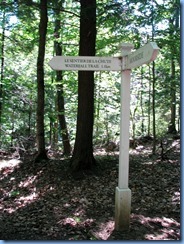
x=122, y=208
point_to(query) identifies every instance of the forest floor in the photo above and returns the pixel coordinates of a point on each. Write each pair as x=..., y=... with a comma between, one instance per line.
x=45, y=202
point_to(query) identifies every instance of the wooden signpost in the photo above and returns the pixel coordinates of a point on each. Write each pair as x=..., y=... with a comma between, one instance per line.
x=125, y=63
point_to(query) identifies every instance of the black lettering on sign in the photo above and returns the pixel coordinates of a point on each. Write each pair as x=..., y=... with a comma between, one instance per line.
x=93, y=66
x=136, y=57
x=76, y=66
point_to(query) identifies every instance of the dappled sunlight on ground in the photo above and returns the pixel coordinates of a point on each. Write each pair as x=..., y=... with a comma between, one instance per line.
x=44, y=202
x=9, y=163
x=7, y=167
x=28, y=181
x=166, y=227
x=104, y=230
x=176, y=197
x=19, y=192
x=20, y=202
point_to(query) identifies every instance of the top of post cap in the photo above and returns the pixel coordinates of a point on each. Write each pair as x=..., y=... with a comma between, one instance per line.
x=126, y=48
x=126, y=45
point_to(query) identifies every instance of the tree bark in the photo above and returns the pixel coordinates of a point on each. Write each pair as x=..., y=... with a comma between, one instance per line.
x=172, y=124
x=149, y=105
x=153, y=107
x=153, y=83
x=83, y=158
x=40, y=82
x=2, y=69
x=141, y=104
x=174, y=25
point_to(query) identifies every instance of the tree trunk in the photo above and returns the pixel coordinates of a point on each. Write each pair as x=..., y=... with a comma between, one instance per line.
x=153, y=84
x=83, y=150
x=97, y=107
x=153, y=108
x=141, y=104
x=174, y=25
x=2, y=69
x=40, y=81
x=172, y=125
x=149, y=107
x=60, y=92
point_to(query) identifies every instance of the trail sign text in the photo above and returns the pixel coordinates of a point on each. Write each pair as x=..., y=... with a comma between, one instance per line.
x=85, y=63
x=143, y=55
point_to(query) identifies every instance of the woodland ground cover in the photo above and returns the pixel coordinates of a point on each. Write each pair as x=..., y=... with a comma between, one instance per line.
x=44, y=201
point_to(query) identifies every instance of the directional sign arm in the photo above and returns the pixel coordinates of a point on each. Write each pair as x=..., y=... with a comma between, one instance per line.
x=85, y=63
x=143, y=55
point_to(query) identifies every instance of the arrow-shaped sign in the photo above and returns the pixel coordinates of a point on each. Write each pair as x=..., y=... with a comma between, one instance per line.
x=85, y=63
x=143, y=55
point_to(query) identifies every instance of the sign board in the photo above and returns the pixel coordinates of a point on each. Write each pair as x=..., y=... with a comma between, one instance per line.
x=86, y=63
x=143, y=55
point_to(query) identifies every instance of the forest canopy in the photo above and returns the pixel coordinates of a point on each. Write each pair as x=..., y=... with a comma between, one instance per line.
x=155, y=88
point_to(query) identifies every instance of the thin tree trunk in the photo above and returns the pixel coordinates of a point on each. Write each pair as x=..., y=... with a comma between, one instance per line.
x=153, y=107
x=172, y=125
x=40, y=82
x=60, y=92
x=83, y=150
x=97, y=108
x=153, y=83
x=174, y=25
x=141, y=103
x=29, y=119
x=2, y=69
x=149, y=105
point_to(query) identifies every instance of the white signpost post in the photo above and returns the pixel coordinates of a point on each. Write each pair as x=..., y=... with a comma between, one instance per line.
x=125, y=63
x=144, y=55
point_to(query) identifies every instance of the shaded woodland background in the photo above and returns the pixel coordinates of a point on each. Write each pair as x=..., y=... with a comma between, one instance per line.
x=155, y=90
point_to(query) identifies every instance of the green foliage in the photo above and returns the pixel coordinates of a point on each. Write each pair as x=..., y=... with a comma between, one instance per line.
x=117, y=22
